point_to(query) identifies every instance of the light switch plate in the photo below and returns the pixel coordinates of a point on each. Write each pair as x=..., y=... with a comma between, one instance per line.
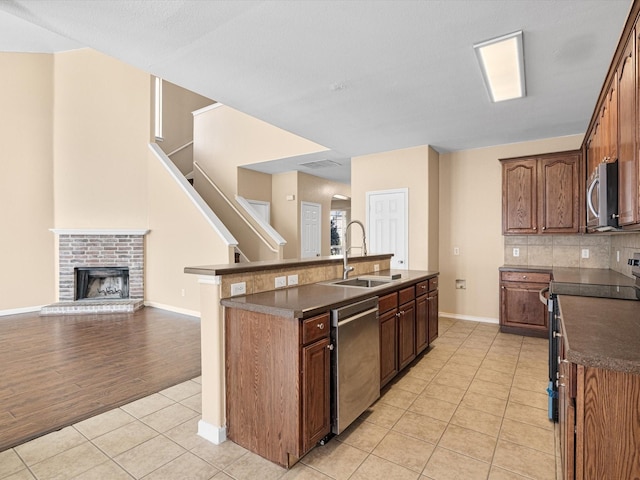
x=292, y=279
x=281, y=282
x=585, y=253
x=456, y=250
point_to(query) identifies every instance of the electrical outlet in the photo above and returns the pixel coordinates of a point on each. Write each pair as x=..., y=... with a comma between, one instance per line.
x=292, y=279
x=182, y=293
x=461, y=284
x=238, y=288
x=516, y=252
x=376, y=267
x=456, y=250
x=281, y=282
x=585, y=253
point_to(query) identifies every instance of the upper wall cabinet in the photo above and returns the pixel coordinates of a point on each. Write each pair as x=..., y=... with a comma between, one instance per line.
x=627, y=136
x=540, y=194
x=613, y=133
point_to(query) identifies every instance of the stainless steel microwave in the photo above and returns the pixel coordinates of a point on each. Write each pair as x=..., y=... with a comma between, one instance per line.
x=602, y=197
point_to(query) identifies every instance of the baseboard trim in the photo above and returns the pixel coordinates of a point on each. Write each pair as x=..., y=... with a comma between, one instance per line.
x=213, y=434
x=469, y=317
x=16, y=311
x=162, y=306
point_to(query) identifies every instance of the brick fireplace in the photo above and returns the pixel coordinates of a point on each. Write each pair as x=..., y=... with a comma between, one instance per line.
x=103, y=252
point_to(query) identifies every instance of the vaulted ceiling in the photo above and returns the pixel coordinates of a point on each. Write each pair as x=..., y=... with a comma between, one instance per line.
x=357, y=76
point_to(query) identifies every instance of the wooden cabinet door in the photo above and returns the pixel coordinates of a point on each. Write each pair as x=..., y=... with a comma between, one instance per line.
x=422, y=323
x=566, y=414
x=406, y=334
x=611, y=124
x=521, y=311
x=594, y=152
x=559, y=178
x=433, y=315
x=316, y=413
x=519, y=196
x=388, y=346
x=627, y=137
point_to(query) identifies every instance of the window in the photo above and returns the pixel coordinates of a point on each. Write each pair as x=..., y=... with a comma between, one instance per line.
x=158, y=109
x=338, y=222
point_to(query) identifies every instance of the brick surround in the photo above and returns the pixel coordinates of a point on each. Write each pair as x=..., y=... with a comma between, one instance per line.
x=100, y=250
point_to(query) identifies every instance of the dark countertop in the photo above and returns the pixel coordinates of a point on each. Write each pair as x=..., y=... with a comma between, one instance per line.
x=232, y=268
x=308, y=300
x=590, y=276
x=602, y=332
x=598, y=332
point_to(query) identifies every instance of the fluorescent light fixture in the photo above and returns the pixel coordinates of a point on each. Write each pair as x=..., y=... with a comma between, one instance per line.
x=502, y=64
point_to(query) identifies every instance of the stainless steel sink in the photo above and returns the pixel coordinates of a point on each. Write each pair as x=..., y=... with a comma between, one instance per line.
x=362, y=282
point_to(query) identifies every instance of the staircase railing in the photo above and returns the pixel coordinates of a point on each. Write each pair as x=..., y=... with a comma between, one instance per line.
x=188, y=144
x=274, y=244
x=197, y=200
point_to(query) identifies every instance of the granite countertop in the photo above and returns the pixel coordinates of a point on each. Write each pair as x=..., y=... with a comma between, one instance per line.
x=598, y=332
x=601, y=332
x=589, y=276
x=308, y=300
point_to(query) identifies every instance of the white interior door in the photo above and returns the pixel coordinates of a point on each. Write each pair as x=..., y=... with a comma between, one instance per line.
x=310, y=229
x=387, y=221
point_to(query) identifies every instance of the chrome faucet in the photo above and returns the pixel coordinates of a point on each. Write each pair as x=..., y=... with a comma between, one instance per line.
x=347, y=268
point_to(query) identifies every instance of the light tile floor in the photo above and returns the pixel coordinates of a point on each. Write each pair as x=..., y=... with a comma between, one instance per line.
x=473, y=407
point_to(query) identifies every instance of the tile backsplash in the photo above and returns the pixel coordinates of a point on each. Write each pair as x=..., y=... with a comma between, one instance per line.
x=566, y=250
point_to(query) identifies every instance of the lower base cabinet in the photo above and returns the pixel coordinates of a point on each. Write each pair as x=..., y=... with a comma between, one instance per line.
x=599, y=420
x=408, y=324
x=521, y=311
x=277, y=383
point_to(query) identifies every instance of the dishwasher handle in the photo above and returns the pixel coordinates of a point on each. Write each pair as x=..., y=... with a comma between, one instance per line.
x=358, y=316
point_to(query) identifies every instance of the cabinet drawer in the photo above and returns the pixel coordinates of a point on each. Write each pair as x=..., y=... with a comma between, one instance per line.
x=433, y=284
x=406, y=295
x=529, y=277
x=315, y=328
x=388, y=302
x=422, y=288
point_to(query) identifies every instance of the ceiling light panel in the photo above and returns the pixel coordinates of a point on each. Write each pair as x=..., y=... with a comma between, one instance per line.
x=502, y=65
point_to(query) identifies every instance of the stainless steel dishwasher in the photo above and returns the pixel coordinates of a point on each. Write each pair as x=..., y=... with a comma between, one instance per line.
x=355, y=361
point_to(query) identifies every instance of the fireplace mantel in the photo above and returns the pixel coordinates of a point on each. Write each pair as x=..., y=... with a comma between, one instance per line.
x=98, y=231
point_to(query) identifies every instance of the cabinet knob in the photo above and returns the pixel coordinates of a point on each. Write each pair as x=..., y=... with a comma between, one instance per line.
x=398, y=314
x=535, y=228
x=321, y=326
x=544, y=228
x=423, y=286
x=524, y=277
x=556, y=334
x=330, y=346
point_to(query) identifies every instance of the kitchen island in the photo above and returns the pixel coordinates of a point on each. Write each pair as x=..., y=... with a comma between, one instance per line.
x=281, y=356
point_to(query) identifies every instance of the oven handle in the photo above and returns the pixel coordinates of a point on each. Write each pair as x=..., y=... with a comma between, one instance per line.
x=541, y=296
x=595, y=182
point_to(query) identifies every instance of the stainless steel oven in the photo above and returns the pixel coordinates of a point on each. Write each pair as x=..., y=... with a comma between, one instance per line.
x=355, y=361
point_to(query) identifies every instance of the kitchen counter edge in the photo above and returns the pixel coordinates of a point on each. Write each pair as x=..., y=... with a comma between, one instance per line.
x=306, y=301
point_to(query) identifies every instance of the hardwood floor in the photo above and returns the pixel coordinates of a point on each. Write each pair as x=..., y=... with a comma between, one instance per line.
x=58, y=370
